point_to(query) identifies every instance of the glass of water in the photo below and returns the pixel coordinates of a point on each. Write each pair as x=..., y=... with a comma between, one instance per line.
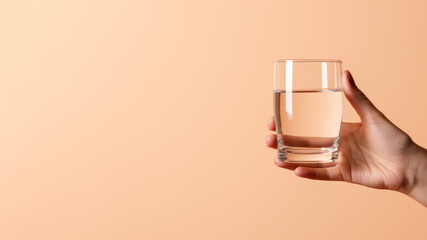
x=307, y=109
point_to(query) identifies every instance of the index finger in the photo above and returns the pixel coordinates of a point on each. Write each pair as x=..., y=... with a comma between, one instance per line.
x=271, y=124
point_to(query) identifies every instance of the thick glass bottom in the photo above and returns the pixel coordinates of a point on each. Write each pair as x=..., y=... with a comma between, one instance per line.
x=319, y=157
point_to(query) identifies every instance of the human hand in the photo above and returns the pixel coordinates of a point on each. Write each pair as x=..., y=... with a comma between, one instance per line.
x=374, y=153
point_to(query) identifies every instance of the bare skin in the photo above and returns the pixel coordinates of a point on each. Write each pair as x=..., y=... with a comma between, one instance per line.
x=374, y=153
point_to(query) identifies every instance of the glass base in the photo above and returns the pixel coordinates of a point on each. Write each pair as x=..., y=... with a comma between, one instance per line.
x=318, y=157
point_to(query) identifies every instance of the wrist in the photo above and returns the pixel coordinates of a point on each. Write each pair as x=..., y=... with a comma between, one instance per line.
x=416, y=174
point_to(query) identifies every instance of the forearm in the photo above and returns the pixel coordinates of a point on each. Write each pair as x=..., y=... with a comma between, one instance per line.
x=416, y=175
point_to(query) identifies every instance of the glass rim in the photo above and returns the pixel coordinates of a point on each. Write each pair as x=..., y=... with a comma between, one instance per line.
x=308, y=60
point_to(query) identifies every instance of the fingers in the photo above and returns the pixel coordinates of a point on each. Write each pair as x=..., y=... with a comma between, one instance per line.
x=290, y=166
x=332, y=174
x=271, y=124
x=363, y=106
x=271, y=141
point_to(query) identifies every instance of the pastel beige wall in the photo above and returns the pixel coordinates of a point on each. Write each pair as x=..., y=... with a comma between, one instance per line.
x=147, y=119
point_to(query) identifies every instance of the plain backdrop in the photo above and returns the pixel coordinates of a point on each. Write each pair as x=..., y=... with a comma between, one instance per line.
x=147, y=119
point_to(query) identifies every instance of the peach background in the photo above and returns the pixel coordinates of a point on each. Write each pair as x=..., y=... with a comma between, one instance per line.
x=147, y=119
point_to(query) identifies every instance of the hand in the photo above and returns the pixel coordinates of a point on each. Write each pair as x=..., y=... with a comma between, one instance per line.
x=374, y=153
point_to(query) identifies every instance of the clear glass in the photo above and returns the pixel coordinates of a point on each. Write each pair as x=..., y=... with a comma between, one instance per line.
x=307, y=110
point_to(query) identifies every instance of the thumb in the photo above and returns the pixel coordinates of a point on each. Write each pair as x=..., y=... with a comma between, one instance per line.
x=363, y=106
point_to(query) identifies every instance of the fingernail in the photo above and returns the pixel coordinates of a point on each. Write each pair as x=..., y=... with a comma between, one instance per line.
x=298, y=171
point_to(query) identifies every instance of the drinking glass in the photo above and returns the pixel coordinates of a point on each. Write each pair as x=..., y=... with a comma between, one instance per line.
x=307, y=109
